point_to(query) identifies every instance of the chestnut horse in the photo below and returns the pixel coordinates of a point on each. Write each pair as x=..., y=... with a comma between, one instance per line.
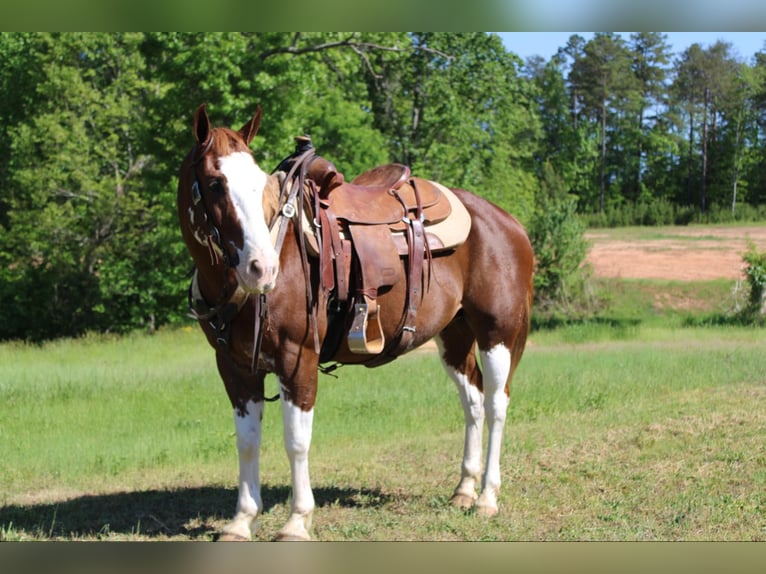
x=263, y=310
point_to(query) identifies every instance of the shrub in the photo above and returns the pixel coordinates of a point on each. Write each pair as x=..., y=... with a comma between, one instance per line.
x=755, y=273
x=562, y=282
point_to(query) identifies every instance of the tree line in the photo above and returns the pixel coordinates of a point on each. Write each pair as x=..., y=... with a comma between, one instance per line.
x=93, y=127
x=628, y=123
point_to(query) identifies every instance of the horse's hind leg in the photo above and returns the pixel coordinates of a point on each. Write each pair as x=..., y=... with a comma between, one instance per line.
x=484, y=395
x=456, y=350
x=496, y=364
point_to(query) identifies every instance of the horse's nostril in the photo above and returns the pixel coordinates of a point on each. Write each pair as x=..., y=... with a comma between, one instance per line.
x=256, y=268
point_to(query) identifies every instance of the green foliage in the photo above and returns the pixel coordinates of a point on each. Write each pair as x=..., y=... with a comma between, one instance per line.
x=93, y=127
x=655, y=212
x=557, y=236
x=79, y=209
x=755, y=272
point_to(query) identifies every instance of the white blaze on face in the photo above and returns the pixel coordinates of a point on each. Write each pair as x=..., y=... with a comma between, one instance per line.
x=258, y=261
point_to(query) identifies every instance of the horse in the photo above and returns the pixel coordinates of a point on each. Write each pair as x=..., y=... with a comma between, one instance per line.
x=255, y=273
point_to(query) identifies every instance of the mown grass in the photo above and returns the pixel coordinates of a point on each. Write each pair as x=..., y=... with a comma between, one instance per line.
x=617, y=430
x=674, y=232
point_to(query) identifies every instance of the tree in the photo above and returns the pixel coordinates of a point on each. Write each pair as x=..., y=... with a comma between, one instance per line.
x=76, y=194
x=650, y=59
x=603, y=77
x=740, y=115
x=756, y=170
x=703, y=80
x=456, y=110
x=688, y=87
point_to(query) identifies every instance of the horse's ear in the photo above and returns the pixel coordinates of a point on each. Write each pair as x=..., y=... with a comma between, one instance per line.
x=249, y=130
x=202, y=132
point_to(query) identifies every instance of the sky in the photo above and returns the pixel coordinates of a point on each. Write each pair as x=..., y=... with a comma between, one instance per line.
x=546, y=44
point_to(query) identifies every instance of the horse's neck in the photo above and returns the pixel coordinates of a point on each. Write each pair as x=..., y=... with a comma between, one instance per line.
x=271, y=198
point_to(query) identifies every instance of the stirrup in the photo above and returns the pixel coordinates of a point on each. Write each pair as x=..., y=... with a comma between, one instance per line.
x=366, y=334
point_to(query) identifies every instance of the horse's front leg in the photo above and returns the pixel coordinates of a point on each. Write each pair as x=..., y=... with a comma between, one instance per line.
x=298, y=418
x=247, y=423
x=245, y=393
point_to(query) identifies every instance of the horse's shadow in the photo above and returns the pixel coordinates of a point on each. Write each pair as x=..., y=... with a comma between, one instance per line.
x=185, y=512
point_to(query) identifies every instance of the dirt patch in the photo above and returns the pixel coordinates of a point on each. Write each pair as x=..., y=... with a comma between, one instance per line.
x=673, y=253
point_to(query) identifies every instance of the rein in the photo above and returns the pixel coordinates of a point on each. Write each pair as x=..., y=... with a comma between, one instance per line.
x=296, y=166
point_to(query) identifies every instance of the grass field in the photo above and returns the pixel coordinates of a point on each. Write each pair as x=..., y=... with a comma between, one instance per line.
x=633, y=427
x=652, y=434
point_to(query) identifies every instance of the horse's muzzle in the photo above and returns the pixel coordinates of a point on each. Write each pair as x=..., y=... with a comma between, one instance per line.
x=259, y=274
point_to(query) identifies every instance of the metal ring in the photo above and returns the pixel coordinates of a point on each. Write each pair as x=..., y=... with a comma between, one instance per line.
x=288, y=210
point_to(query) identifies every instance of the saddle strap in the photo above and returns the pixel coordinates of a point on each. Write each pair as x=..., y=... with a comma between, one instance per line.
x=417, y=247
x=291, y=208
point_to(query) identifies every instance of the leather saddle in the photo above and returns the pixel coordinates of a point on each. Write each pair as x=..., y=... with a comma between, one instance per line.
x=373, y=232
x=388, y=195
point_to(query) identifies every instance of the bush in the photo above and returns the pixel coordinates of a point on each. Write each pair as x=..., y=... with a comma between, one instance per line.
x=663, y=212
x=562, y=282
x=755, y=272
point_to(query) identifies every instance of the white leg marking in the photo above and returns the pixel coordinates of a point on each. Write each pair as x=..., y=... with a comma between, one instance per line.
x=249, y=503
x=496, y=368
x=473, y=410
x=297, y=434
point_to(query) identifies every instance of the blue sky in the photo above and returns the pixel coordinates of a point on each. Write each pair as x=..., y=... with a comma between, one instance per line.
x=546, y=44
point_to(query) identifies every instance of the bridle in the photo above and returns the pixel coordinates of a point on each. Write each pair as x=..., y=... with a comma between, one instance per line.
x=210, y=231
x=228, y=305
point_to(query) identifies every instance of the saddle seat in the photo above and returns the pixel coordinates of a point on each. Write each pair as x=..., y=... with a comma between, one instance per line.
x=384, y=195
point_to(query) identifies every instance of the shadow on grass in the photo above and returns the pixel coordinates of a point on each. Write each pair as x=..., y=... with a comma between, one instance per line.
x=556, y=322
x=185, y=512
x=740, y=319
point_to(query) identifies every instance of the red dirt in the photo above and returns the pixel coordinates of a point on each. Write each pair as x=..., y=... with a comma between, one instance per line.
x=687, y=254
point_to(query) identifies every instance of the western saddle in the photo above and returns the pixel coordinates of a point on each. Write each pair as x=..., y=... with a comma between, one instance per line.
x=381, y=228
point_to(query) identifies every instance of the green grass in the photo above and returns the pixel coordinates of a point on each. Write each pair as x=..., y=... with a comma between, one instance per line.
x=616, y=430
x=674, y=232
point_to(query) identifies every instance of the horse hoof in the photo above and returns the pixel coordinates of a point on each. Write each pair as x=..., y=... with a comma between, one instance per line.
x=232, y=537
x=486, y=511
x=462, y=501
x=291, y=537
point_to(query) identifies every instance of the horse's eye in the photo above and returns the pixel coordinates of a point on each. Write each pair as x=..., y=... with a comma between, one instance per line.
x=217, y=185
